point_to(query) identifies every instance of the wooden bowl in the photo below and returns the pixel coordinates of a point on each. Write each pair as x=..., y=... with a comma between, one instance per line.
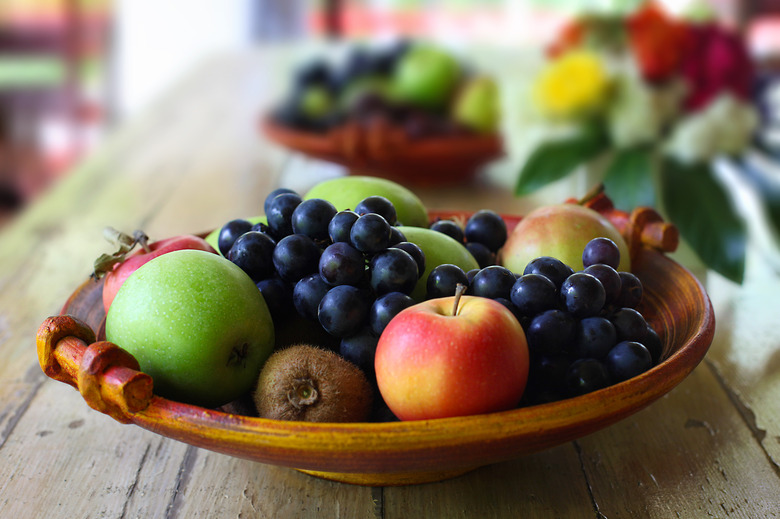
x=393, y=453
x=386, y=151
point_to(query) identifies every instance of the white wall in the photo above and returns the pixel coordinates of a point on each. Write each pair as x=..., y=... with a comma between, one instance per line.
x=159, y=40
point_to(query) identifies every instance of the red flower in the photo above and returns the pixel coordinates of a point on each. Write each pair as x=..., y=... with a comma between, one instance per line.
x=657, y=40
x=570, y=36
x=716, y=62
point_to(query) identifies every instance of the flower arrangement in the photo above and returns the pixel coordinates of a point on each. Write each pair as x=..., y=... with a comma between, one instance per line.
x=657, y=101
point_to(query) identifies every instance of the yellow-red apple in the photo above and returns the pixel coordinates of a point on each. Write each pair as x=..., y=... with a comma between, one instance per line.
x=560, y=231
x=452, y=356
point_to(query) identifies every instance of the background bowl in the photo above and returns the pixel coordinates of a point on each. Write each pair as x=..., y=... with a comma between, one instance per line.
x=385, y=151
x=393, y=453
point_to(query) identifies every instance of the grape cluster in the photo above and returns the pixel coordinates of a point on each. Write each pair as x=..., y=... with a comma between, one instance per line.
x=351, y=271
x=483, y=234
x=583, y=328
x=325, y=94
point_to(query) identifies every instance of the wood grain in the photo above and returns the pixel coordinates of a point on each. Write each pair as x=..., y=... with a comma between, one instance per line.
x=192, y=161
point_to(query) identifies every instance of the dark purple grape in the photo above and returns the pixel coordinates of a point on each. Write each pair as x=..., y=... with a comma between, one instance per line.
x=493, y=282
x=630, y=290
x=533, y=293
x=629, y=324
x=415, y=252
x=601, y=250
x=385, y=308
x=307, y=294
x=396, y=236
x=610, y=280
x=312, y=217
x=585, y=376
x=342, y=264
x=548, y=371
x=582, y=295
x=360, y=349
x=343, y=311
x=652, y=341
x=484, y=256
x=278, y=296
x=296, y=256
x=379, y=205
x=470, y=275
x=230, y=232
x=341, y=224
x=595, y=337
x=551, y=332
x=316, y=71
x=370, y=233
x=553, y=268
x=547, y=378
x=273, y=194
x=450, y=228
x=393, y=270
x=627, y=359
x=253, y=252
x=443, y=280
x=509, y=305
x=279, y=214
x=488, y=228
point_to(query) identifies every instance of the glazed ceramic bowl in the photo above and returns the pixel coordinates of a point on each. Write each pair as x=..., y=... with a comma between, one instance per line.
x=392, y=453
x=385, y=151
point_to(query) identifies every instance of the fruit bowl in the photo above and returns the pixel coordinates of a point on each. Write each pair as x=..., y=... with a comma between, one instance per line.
x=71, y=350
x=385, y=151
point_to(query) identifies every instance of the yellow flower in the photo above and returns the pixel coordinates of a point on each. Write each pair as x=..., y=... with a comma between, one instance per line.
x=573, y=85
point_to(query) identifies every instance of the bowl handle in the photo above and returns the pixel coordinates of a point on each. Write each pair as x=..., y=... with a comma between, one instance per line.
x=108, y=377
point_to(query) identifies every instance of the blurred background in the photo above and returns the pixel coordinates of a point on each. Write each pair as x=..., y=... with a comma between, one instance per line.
x=71, y=70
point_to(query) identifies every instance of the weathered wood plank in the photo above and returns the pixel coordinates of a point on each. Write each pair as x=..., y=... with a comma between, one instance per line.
x=687, y=455
x=542, y=485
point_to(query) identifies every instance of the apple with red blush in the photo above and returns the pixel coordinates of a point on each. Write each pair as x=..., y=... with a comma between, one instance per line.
x=117, y=267
x=452, y=356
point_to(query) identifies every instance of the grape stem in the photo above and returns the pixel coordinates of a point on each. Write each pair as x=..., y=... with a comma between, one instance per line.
x=460, y=288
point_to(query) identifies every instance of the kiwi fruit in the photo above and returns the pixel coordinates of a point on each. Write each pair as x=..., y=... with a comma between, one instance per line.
x=308, y=383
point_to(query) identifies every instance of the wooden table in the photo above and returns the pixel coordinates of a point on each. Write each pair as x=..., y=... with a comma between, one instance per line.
x=710, y=448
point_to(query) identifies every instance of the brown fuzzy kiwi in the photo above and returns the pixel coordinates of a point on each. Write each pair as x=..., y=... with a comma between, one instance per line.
x=307, y=383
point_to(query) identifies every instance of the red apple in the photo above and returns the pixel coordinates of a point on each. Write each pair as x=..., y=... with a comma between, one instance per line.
x=453, y=356
x=121, y=271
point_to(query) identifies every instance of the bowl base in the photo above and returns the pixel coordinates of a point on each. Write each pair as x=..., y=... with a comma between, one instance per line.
x=389, y=479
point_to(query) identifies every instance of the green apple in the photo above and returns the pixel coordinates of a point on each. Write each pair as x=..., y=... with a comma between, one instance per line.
x=438, y=249
x=347, y=192
x=426, y=76
x=212, y=238
x=560, y=231
x=477, y=105
x=316, y=101
x=196, y=323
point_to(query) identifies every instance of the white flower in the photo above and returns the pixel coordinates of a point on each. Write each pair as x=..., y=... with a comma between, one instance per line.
x=725, y=126
x=639, y=112
x=631, y=118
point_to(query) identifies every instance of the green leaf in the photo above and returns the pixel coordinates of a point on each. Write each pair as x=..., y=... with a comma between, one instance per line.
x=629, y=181
x=556, y=159
x=704, y=214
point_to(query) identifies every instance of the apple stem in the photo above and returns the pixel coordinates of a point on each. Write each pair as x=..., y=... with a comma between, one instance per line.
x=460, y=288
x=140, y=237
x=591, y=194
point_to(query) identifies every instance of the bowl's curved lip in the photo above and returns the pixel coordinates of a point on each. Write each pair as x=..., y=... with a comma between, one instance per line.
x=453, y=442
